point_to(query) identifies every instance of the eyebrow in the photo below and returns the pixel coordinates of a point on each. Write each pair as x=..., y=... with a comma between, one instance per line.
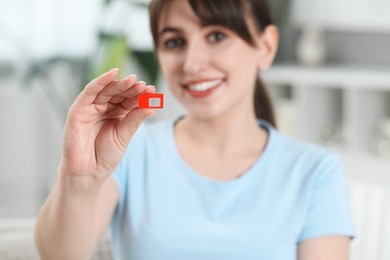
x=169, y=29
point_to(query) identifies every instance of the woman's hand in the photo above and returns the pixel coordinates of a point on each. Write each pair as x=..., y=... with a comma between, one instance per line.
x=100, y=124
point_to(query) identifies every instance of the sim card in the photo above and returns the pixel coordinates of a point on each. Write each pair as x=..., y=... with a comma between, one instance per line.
x=151, y=100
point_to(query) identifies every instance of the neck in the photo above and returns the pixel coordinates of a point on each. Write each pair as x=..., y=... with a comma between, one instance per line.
x=224, y=134
x=209, y=145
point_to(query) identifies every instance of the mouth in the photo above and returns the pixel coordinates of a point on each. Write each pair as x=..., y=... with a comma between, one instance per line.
x=203, y=86
x=202, y=89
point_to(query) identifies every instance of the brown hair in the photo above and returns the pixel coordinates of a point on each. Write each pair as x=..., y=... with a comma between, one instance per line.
x=229, y=14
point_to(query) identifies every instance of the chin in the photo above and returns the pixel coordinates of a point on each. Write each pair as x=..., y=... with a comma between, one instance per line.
x=205, y=114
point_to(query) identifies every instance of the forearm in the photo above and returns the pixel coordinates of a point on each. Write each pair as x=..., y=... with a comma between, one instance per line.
x=324, y=248
x=65, y=227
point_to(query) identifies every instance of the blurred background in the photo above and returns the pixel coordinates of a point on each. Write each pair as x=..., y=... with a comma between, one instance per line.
x=330, y=83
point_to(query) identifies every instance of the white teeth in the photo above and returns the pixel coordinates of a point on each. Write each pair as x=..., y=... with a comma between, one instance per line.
x=204, y=85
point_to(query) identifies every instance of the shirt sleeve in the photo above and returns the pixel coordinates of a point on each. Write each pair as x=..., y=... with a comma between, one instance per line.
x=328, y=210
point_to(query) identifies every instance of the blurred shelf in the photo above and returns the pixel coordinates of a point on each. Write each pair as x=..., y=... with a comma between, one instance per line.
x=331, y=76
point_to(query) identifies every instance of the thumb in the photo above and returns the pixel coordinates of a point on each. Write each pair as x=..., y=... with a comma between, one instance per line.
x=130, y=124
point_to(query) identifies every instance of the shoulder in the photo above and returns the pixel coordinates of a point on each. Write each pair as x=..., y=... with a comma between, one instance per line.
x=307, y=157
x=297, y=149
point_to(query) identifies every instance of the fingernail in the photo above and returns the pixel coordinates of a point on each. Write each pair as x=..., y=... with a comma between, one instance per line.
x=114, y=70
x=132, y=76
x=151, y=87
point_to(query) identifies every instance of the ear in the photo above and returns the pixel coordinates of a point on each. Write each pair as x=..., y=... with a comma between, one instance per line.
x=267, y=43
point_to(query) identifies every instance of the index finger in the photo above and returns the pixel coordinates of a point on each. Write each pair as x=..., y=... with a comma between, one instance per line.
x=93, y=88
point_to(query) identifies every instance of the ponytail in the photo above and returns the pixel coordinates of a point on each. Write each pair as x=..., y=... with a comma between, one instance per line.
x=263, y=103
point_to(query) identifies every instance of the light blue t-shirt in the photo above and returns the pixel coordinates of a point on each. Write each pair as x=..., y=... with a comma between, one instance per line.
x=294, y=191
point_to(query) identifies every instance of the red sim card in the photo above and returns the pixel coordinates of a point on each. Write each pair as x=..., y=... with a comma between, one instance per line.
x=151, y=100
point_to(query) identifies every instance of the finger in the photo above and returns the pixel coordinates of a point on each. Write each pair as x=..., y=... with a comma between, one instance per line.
x=136, y=90
x=131, y=103
x=131, y=122
x=116, y=88
x=128, y=103
x=92, y=89
x=117, y=99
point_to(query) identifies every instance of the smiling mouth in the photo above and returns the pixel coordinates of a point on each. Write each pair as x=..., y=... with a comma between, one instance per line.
x=203, y=86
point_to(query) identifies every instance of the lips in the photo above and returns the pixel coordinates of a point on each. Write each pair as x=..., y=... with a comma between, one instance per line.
x=202, y=89
x=203, y=86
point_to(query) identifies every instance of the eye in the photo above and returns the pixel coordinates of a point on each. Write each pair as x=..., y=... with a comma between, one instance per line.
x=173, y=43
x=217, y=36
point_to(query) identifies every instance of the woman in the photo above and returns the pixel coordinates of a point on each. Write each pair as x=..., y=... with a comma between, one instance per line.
x=217, y=183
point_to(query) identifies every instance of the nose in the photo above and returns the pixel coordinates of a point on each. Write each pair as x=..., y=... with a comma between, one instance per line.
x=196, y=58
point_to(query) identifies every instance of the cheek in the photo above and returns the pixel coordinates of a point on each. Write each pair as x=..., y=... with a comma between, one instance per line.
x=242, y=78
x=237, y=57
x=243, y=70
x=169, y=67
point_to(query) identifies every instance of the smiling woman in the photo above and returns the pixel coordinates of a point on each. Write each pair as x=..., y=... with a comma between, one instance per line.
x=219, y=182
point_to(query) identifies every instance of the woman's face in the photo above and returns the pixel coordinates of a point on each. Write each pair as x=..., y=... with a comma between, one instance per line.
x=210, y=70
